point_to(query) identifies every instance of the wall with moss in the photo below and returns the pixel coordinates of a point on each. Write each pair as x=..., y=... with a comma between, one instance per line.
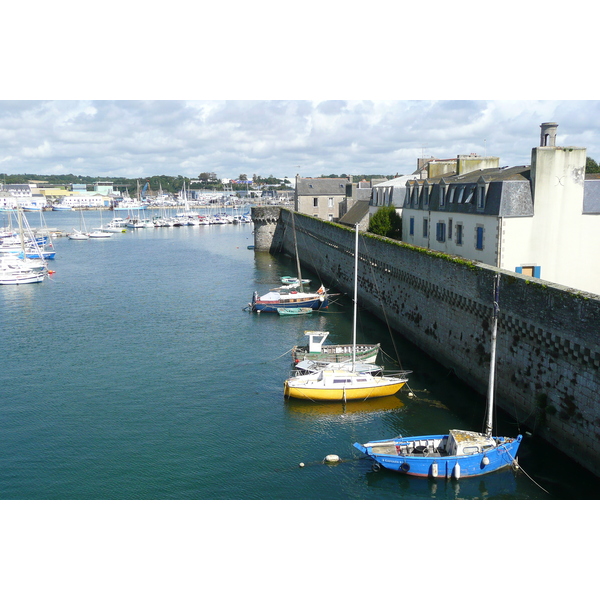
x=548, y=352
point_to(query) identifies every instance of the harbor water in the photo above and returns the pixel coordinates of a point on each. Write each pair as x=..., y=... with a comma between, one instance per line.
x=134, y=372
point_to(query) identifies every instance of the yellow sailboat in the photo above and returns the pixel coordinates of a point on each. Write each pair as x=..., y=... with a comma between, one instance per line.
x=336, y=383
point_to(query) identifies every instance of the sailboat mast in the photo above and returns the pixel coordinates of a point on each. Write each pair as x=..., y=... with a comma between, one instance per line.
x=355, y=297
x=297, y=257
x=491, y=383
x=21, y=231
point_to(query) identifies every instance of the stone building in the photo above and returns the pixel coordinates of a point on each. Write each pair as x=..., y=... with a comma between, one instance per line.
x=322, y=196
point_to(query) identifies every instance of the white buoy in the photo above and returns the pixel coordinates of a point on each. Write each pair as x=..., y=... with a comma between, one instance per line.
x=301, y=465
x=332, y=458
x=410, y=394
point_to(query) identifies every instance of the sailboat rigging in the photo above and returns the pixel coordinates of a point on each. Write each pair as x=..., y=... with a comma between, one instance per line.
x=290, y=298
x=350, y=381
x=459, y=453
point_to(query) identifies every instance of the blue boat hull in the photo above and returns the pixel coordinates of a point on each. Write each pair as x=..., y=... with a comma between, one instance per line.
x=440, y=465
x=272, y=307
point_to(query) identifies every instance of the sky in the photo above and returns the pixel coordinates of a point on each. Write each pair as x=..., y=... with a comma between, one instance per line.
x=266, y=89
x=140, y=138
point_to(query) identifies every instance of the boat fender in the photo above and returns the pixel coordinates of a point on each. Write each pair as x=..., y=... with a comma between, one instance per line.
x=485, y=461
x=456, y=471
x=434, y=469
x=405, y=467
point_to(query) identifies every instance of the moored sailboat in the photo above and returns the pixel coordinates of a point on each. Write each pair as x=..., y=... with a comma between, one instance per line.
x=457, y=454
x=335, y=382
x=280, y=298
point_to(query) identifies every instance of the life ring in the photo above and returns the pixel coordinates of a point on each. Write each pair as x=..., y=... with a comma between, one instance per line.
x=405, y=467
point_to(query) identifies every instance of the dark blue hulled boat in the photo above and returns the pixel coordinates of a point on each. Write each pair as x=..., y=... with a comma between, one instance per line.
x=457, y=454
x=273, y=300
x=287, y=297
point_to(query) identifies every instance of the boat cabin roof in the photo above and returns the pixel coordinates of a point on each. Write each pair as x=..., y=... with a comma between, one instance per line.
x=467, y=442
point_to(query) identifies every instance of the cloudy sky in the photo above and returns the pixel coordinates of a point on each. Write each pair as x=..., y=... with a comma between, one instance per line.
x=276, y=137
x=231, y=91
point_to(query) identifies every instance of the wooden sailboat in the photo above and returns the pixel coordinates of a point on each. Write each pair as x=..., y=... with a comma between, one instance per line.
x=334, y=382
x=457, y=454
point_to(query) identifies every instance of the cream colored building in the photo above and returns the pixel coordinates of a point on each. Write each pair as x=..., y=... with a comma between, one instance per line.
x=541, y=220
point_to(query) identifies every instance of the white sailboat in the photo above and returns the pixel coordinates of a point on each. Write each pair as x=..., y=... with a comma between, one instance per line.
x=350, y=382
x=81, y=233
x=15, y=270
x=100, y=232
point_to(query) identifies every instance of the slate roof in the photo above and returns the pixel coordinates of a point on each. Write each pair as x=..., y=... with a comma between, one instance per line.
x=356, y=214
x=322, y=186
x=508, y=192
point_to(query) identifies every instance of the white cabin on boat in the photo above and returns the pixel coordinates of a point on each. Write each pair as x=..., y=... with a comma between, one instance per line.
x=461, y=443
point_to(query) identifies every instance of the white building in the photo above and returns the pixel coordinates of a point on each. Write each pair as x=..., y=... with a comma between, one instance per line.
x=541, y=220
x=87, y=200
x=390, y=193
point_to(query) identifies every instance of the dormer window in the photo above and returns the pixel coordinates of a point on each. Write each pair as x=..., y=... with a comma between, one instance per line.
x=415, y=196
x=480, y=197
x=481, y=193
x=442, y=194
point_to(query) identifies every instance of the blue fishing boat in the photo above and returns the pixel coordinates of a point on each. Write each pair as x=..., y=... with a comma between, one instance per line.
x=457, y=454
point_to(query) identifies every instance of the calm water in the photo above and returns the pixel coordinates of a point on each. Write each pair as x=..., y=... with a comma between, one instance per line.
x=135, y=373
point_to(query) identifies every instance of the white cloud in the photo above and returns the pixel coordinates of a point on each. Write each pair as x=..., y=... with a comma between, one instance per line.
x=280, y=137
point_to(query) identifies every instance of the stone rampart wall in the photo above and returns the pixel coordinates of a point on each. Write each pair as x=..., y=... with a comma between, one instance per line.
x=548, y=352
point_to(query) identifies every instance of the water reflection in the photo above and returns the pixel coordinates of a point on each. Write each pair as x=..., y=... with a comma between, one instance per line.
x=306, y=407
x=501, y=485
